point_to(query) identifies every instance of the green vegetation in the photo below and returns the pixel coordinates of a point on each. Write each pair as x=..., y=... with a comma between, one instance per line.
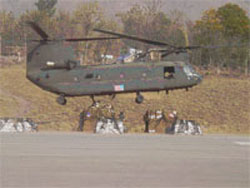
x=47, y=6
x=228, y=25
x=150, y=22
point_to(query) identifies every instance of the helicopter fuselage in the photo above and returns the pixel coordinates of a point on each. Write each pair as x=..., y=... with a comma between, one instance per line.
x=53, y=68
x=114, y=78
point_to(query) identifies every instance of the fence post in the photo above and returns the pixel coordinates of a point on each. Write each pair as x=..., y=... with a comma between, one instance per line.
x=247, y=63
x=25, y=48
x=0, y=45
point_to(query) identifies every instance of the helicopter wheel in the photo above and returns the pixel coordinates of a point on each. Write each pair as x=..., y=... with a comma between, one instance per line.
x=139, y=98
x=61, y=100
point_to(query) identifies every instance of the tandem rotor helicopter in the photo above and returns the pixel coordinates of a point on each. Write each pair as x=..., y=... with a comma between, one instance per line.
x=54, y=68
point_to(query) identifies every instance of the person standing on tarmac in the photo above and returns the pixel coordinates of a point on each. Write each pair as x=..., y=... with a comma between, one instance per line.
x=146, y=121
x=81, y=121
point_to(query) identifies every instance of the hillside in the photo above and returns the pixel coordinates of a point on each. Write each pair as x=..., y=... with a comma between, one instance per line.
x=219, y=104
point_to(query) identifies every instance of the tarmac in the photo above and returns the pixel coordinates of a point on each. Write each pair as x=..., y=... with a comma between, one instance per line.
x=75, y=160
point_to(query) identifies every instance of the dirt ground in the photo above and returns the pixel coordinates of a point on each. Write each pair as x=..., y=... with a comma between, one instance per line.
x=220, y=104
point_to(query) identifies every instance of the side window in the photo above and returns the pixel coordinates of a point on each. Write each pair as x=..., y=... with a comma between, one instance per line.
x=89, y=76
x=169, y=72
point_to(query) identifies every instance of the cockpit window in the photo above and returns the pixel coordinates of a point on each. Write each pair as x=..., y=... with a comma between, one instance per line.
x=191, y=73
x=188, y=69
x=89, y=76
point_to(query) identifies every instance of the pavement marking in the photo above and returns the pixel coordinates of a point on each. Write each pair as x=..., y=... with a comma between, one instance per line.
x=243, y=143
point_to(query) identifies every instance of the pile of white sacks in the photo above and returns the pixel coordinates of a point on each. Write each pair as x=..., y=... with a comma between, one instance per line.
x=187, y=127
x=17, y=125
x=109, y=126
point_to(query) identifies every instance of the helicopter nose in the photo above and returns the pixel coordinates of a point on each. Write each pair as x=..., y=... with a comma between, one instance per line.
x=199, y=78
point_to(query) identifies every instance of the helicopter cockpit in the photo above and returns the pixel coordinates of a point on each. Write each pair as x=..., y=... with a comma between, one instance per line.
x=191, y=73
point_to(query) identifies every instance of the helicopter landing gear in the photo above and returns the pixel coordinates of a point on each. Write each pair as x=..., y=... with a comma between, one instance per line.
x=139, y=98
x=61, y=100
x=93, y=100
x=112, y=96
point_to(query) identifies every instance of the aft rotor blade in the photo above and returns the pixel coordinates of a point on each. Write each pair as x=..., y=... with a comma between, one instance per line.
x=212, y=47
x=189, y=47
x=38, y=30
x=226, y=46
x=132, y=37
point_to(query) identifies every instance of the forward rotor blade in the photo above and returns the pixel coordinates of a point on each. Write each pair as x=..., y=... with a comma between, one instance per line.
x=75, y=39
x=45, y=37
x=89, y=39
x=38, y=30
x=132, y=37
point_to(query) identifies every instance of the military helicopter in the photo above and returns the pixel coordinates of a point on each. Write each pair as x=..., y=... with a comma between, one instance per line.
x=54, y=68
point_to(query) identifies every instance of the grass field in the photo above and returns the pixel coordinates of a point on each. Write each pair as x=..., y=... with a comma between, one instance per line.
x=220, y=104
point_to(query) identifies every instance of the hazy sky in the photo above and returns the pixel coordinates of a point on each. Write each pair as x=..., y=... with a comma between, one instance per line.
x=191, y=8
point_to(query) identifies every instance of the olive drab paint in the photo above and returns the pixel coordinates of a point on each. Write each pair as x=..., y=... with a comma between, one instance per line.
x=53, y=67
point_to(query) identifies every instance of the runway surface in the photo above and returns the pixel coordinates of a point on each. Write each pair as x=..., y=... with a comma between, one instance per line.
x=87, y=160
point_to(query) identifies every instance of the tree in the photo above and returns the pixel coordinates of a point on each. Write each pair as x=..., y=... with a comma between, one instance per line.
x=208, y=32
x=146, y=21
x=7, y=25
x=47, y=23
x=107, y=47
x=64, y=19
x=85, y=18
x=46, y=6
x=236, y=29
x=178, y=30
x=228, y=26
x=234, y=21
x=8, y=30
